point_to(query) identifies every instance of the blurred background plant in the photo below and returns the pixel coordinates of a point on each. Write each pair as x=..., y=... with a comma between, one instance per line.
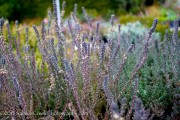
x=37, y=9
x=33, y=11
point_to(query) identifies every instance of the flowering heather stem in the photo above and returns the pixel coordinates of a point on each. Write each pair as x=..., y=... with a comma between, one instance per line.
x=85, y=74
x=87, y=17
x=74, y=44
x=70, y=29
x=63, y=10
x=3, y=61
x=97, y=28
x=30, y=78
x=57, y=29
x=70, y=78
x=42, y=48
x=3, y=77
x=142, y=58
x=123, y=107
x=78, y=41
x=33, y=64
x=122, y=64
x=9, y=31
x=38, y=36
x=18, y=38
x=43, y=33
x=112, y=20
x=20, y=97
x=17, y=48
x=27, y=37
x=1, y=26
x=34, y=77
x=110, y=99
x=18, y=60
x=96, y=38
x=175, y=51
x=53, y=61
x=60, y=36
x=165, y=58
x=175, y=32
x=114, y=52
x=53, y=49
x=109, y=95
x=101, y=53
x=139, y=111
x=135, y=89
x=75, y=11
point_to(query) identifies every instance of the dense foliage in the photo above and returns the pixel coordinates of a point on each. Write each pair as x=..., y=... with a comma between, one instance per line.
x=22, y=9
x=74, y=71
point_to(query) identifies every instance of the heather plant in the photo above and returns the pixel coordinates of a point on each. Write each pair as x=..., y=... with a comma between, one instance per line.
x=70, y=72
x=159, y=76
